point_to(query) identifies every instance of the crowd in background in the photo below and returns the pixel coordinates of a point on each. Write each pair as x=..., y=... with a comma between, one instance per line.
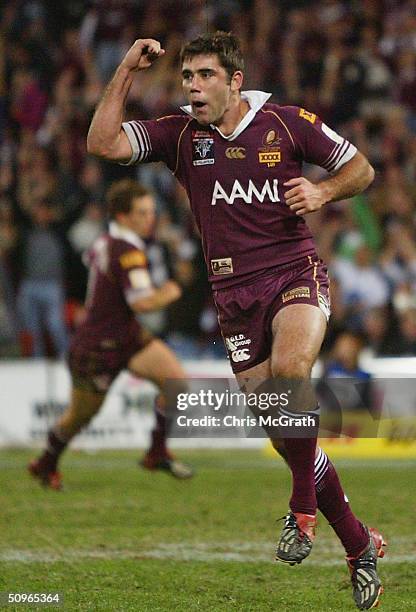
x=352, y=62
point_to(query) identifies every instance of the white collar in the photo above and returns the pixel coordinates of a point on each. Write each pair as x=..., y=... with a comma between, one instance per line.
x=256, y=100
x=124, y=233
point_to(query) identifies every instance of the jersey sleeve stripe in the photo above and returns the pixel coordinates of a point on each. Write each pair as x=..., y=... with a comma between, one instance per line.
x=337, y=151
x=339, y=156
x=143, y=140
x=145, y=134
x=340, y=153
x=139, y=142
x=336, y=154
x=343, y=159
x=133, y=143
x=331, y=156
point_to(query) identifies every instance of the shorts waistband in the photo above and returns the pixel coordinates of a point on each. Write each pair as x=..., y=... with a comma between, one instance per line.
x=265, y=272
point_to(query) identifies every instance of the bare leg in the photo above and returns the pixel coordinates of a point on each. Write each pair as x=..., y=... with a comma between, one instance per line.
x=83, y=406
x=298, y=332
x=159, y=364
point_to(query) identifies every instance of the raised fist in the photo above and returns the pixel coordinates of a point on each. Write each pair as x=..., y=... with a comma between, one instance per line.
x=142, y=54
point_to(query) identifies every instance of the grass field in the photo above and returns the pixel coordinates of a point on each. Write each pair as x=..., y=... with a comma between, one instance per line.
x=119, y=538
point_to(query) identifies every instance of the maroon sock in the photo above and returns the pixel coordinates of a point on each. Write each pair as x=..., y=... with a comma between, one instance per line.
x=159, y=434
x=333, y=504
x=55, y=447
x=300, y=453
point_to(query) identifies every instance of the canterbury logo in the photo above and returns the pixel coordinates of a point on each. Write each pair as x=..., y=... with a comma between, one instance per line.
x=235, y=153
x=240, y=355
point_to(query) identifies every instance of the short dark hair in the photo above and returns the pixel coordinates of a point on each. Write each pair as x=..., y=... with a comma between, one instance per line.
x=121, y=194
x=224, y=45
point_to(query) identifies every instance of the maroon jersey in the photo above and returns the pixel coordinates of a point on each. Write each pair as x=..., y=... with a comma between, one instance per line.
x=235, y=183
x=110, y=334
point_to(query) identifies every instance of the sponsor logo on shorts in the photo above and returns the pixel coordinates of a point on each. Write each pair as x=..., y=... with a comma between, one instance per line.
x=240, y=355
x=235, y=153
x=299, y=292
x=222, y=266
x=311, y=117
x=132, y=259
x=236, y=347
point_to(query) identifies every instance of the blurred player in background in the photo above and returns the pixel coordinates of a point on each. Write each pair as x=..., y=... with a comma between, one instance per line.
x=239, y=158
x=110, y=339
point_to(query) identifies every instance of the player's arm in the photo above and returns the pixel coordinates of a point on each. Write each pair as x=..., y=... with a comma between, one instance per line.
x=160, y=298
x=106, y=137
x=353, y=177
x=140, y=293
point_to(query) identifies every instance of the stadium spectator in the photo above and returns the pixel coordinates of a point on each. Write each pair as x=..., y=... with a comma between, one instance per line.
x=104, y=30
x=407, y=329
x=8, y=325
x=41, y=294
x=110, y=338
x=378, y=327
x=270, y=289
x=362, y=283
x=29, y=102
x=345, y=356
x=346, y=387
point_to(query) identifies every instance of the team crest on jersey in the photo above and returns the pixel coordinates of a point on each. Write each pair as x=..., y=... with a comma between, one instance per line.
x=271, y=139
x=202, y=149
x=270, y=153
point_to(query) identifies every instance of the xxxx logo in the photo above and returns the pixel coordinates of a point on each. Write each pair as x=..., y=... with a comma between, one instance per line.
x=235, y=153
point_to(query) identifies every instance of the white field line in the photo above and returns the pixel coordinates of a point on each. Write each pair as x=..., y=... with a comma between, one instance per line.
x=91, y=462
x=243, y=552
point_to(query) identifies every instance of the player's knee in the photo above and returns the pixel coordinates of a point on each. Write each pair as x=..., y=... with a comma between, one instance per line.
x=299, y=366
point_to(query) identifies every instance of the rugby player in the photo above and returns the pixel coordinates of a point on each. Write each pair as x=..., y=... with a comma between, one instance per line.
x=240, y=158
x=110, y=338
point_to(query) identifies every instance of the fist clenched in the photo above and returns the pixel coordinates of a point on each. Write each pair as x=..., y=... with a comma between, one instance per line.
x=142, y=54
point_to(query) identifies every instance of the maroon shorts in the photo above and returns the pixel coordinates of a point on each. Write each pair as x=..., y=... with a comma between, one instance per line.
x=95, y=366
x=245, y=313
